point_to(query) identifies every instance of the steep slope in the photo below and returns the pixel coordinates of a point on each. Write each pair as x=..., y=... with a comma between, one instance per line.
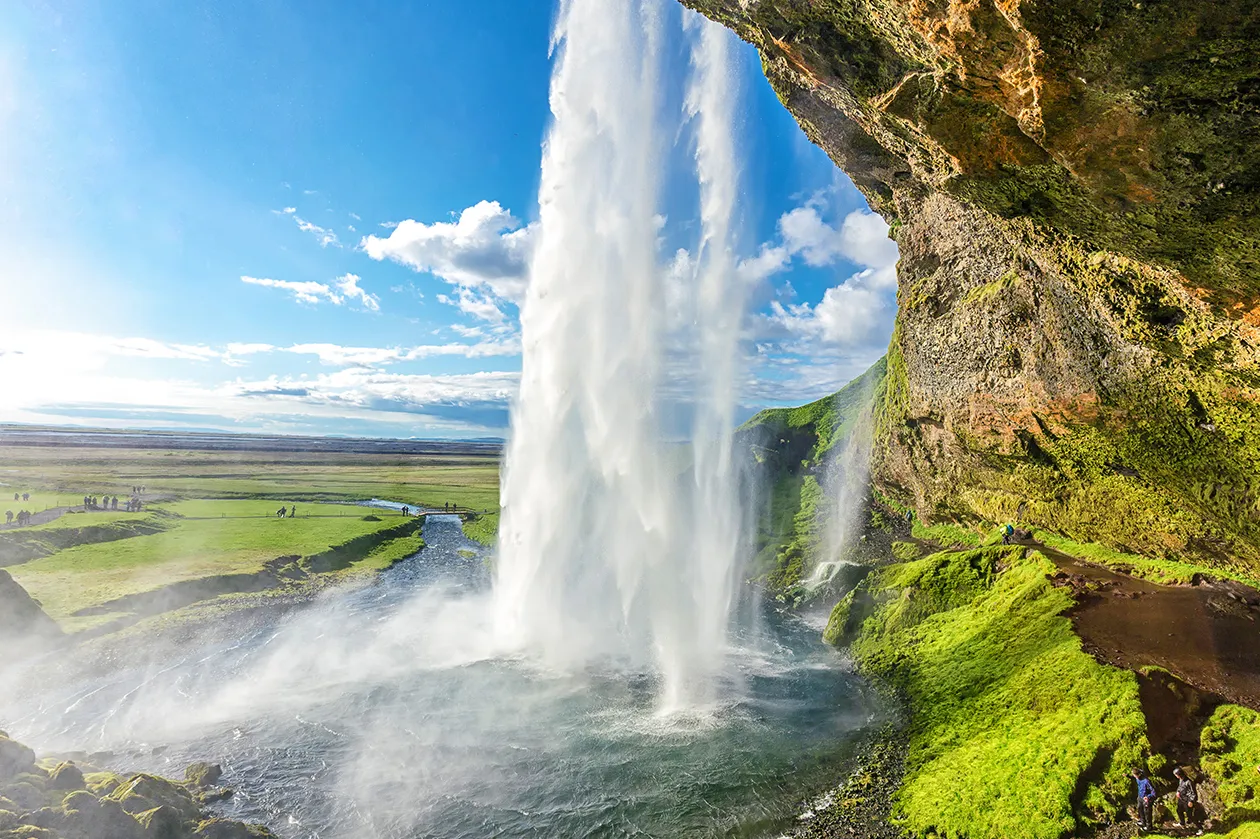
x=790, y=449
x=1074, y=189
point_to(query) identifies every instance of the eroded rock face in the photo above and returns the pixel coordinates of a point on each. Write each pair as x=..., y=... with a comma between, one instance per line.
x=1074, y=188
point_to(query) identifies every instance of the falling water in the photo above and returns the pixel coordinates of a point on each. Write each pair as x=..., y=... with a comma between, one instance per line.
x=847, y=478
x=615, y=544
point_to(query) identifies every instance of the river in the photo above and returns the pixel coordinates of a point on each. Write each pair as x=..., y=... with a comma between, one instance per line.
x=386, y=711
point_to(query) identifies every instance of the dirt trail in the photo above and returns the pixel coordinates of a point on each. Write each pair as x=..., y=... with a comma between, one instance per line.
x=1207, y=634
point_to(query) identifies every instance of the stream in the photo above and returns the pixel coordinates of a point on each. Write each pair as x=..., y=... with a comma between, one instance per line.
x=387, y=711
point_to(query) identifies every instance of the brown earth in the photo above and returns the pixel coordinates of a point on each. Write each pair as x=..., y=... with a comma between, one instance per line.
x=1193, y=647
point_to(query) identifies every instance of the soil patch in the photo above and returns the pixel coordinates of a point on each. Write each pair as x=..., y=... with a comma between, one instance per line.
x=1206, y=634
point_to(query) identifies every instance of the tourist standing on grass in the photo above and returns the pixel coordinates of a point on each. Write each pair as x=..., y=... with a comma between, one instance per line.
x=1145, y=799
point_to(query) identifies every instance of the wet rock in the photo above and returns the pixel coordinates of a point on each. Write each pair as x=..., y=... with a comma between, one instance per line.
x=224, y=829
x=203, y=774
x=15, y=759
x=8, y=820
x=144, y=792
x=162, y=823
x=66, y=776
x=25, y=795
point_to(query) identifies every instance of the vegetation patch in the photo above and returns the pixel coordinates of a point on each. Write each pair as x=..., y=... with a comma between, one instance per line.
x=74, y=583
x=1013, y=729
x=482, y=528
x=1230, y=753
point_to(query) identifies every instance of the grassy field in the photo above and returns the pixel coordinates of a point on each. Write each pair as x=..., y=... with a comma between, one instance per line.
x=212, y=513
x=62, y=475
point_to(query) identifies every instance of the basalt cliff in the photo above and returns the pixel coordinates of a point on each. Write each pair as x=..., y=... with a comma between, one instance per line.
x=1074, y=189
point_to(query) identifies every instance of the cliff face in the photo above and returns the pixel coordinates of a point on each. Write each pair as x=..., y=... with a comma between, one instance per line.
x=1074, y=187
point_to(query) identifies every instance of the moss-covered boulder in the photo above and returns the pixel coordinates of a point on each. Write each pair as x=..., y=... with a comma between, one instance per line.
x=203, y=774
x=224, y=829
x=66, y=776
x=142, y=793
x=162, y=822
x=15, y=759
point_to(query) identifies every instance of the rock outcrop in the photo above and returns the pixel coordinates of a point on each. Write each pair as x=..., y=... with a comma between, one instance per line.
x=1074, y=187
x=39, y=800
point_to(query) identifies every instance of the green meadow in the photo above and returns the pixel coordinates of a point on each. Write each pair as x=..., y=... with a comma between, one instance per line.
x=212, y=514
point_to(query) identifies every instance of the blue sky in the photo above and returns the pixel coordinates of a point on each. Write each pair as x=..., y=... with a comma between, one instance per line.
x=314, y=218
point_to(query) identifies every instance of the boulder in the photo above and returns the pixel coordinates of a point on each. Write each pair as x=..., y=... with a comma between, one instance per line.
x=162, y=823
x=15, y=759
x=8, y=820
x=203, y=774
x=145, y=792
x=25, y=795
x=226, y=829
x=66, y=776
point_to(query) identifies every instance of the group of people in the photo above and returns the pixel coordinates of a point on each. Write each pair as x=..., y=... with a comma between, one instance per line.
x=108, y=502
x=292, y=512
x=23, y=517
x=1190, y=812
x=25, y=496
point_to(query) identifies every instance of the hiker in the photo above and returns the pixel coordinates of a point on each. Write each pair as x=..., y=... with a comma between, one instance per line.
x=293, y=512
x=113, y=502
x=280, y=513
x=17, y=497
x=8, y=517
x=26, y=496
x=1008, y=533
x=406, y=511
x=1187, y=801
x=1145, y=799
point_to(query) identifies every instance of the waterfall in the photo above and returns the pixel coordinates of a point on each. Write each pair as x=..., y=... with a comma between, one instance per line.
x=616, y=544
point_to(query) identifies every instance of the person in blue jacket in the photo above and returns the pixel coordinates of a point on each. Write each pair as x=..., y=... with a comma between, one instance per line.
x=1146, y=799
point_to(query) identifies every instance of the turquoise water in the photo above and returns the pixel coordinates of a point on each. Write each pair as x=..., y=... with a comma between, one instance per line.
x=385, y=711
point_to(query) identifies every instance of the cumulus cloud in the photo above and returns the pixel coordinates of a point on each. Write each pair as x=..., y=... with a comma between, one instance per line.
x=484, y=253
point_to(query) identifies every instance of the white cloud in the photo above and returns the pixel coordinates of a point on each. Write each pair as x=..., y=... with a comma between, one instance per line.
x=307, y=291
x=481, y=306
x=862, y=238
x=323, y=235
x=484, y=252
x=338, y=356
x=348, y=285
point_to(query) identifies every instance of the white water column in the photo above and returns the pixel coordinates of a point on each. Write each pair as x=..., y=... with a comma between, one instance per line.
x=617, y=546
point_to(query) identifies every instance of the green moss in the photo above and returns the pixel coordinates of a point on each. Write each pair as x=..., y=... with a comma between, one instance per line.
x=1230, y=753
x=1014, y=730
x=906, y=550
x=945, y=534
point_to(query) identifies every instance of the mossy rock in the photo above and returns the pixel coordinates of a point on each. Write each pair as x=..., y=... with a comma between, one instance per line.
x=28, y=831
x=203, y=774
x=15, y=759
x=371, y=518
x=8, y=820
x=103, y=783
x=162, y=823
x=66, y=776
x=25, y=795
x=145, y=792
x=225, y=829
